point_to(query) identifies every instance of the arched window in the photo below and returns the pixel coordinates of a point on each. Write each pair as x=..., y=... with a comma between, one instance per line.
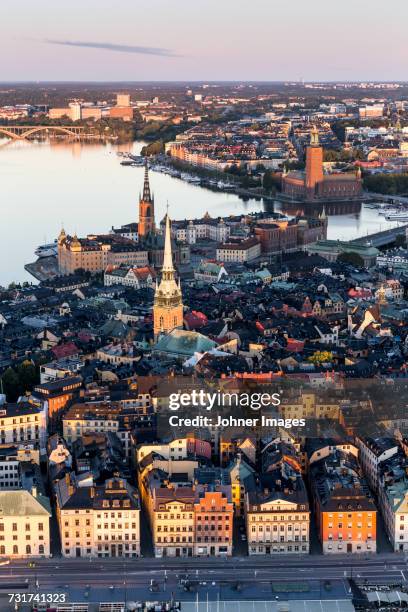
x=15, y=550
x=28, y=549
x=41, y=549
x=2, y=550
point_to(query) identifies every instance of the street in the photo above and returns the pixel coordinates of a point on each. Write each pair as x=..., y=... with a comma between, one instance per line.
x=56, y=572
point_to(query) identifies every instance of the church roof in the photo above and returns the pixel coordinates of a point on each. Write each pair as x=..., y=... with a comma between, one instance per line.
x=184, y=343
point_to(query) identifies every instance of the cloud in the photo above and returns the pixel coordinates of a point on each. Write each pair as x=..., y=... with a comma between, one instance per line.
x=113, y=47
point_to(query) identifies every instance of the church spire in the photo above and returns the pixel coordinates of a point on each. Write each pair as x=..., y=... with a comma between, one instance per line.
x=146, y=185
x=168, y=256
x=168, y=299
x=146, y=223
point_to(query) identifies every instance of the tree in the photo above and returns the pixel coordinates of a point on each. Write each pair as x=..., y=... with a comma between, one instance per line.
x=28, y=376
x=400, y=241
x=321, y=357
x=271, y=181
x=10, y=384
x=154, y=148
x=389, y=184
x=351, y=258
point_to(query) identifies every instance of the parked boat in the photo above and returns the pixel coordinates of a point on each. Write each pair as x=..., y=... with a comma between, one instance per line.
x=47, y=250
x=397, y=216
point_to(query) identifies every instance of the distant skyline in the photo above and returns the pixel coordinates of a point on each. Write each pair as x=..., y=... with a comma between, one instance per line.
x=204, y=40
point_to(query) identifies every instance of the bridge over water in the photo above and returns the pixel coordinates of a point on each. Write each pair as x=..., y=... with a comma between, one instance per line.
x=23, y=132
x=380, y=239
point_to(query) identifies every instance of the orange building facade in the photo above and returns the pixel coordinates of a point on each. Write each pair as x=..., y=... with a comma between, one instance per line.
x=345, y=513
x=58, y=393
x=214, y=516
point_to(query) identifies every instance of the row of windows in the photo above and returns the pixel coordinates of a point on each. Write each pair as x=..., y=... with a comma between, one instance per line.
x=275, y=549
x=26, y=419
x=282, y=528
x=350, y=536
x=174, y=539
x=283, y=539
x=22, y=551
x=175, y=528
x=14, y=527
x=280, y=518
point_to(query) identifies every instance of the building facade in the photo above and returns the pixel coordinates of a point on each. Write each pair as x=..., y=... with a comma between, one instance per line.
x=346, y=516
x=214, y=519
x=95, y=253
x=24, y=534
x=240, y=251
x=313, y=184
x=101, y=521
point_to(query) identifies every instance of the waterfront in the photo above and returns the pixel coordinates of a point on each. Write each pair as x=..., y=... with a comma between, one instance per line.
x=84, y=187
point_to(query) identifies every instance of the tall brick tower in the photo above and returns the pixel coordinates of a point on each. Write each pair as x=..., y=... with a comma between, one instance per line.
x=168, y=300
x=146, y=208
x=314, y=164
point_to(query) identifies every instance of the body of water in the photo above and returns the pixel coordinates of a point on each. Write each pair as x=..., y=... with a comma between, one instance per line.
x=44, y=185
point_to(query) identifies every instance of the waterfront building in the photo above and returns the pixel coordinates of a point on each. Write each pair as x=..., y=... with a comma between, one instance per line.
x=172, y=521
x=98, y=521
x=168, y=300
x=277, y=510
x=286, y=235
x=214, y=520
x=393, y=500
x=96, y=252
x=346, y=516
x=313, y=184
x=24, y=524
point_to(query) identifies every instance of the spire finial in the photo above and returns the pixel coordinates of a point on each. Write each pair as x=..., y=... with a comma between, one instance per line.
x=314, y=137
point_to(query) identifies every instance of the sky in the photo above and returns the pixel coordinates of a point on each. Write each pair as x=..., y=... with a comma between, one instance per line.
x=195, y=40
